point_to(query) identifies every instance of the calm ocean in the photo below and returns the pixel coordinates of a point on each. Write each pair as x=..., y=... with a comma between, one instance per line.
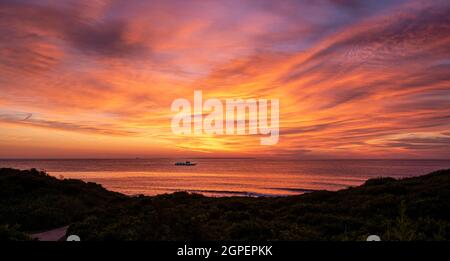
x=228, y=177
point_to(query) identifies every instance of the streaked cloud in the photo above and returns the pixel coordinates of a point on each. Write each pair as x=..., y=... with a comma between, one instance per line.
x=354, y=78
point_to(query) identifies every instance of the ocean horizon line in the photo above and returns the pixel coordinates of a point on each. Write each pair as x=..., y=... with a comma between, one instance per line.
x=240, y=158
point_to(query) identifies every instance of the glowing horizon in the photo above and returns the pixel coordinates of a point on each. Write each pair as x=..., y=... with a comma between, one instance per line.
x=355, y=79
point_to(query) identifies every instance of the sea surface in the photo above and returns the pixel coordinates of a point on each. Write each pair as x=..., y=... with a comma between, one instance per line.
x=228, y=177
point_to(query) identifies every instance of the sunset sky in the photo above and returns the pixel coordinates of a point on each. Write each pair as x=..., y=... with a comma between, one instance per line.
x=96, y=78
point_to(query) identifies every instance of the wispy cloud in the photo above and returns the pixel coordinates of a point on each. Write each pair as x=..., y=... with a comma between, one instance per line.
x=354, y=78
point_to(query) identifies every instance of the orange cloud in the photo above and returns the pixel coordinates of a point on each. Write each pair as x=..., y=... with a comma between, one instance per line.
x=351, y=82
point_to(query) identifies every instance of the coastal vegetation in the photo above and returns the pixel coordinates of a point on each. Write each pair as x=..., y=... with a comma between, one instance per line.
x=415, y=208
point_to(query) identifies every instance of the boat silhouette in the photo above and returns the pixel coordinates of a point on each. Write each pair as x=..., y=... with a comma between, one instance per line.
x=186, y=163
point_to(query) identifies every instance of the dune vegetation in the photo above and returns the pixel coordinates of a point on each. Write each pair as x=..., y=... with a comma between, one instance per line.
x=407, y=209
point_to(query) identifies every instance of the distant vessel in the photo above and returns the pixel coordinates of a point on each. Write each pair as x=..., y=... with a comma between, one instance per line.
x=187, y=163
